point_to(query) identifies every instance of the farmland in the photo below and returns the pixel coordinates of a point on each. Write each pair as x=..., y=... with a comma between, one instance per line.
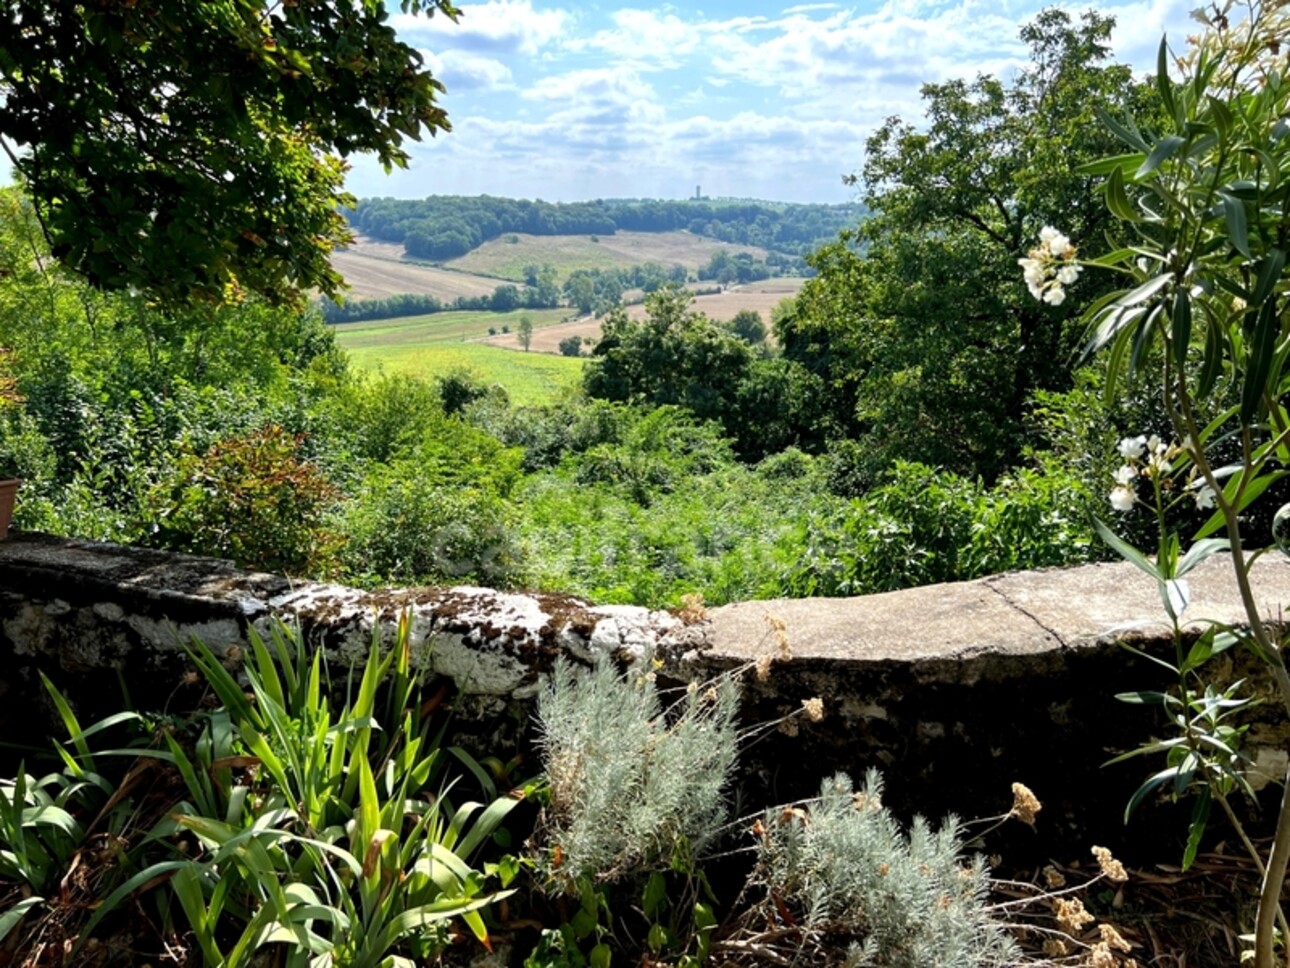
x=376, y=270
x=759, y=296
x=431, y=346
x=505, y=259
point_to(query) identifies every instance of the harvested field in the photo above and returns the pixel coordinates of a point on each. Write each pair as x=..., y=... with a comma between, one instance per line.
x=375, y=270
x=761, y=296
x=507, y=260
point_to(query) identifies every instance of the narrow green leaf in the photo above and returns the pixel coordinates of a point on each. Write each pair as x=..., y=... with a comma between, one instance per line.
x=1259, y=361
x=1126, y=550
x=1212, y=365
x=70, y=722
x=1163, y=84
x=1128, y=133
x=1117, y=200
x=1165, y=149
x=1237, y=228
x=1145, y=697
x=1199, y=552
x=9, y=919
x=122, y=892
x=1104, y=166
x=484, y=826
x=1144, y=791
x=1270, y=269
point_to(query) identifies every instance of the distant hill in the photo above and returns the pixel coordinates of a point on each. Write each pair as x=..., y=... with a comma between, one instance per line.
x=443, y=227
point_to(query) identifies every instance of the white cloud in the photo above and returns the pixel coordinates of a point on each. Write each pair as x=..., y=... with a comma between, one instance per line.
x=599, y=96
x=496, y=27
x=461, y=70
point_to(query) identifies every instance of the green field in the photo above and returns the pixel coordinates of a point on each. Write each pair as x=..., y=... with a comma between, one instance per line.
x=430, y=346
x=451, y=327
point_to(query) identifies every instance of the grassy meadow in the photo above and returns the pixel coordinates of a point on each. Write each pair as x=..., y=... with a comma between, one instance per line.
x=435, y=345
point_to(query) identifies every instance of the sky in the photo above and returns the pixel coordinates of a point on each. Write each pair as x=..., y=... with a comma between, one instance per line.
x=567, y=101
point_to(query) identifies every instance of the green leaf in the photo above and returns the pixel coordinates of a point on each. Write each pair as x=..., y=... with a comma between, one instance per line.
x=1145, y=697
x=1212, y=366
x=1165, y=149
x=1147, y=788
x=1270, y=269
x=1175, y=596
x=1249, y=493
x=1117, y=200
x=1126, y=550
x=9, y=919
x=1237, y=229
x=1199, y=552
x=1104, y=166
x=1163, y=84
x=1128, y=133
x=655, y=894
x=1199, y=819
x=1258, y=365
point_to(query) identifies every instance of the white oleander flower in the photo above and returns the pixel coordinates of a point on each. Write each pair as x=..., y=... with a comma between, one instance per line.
x=1132, y=447
x=1205, y=497
x=1123, y=498
x=1067, y=275
x=1125, y=475
x=1054, y=295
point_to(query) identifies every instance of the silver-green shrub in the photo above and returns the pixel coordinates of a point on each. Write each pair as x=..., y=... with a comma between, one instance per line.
x=907, y=901
x=633, y=785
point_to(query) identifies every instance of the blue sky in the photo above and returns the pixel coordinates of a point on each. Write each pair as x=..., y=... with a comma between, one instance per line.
x=567, y=101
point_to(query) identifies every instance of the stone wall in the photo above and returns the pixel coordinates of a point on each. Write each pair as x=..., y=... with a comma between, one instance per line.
x=954, y=691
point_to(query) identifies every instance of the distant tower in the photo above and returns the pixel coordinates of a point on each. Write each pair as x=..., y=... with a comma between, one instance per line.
x=697, y=196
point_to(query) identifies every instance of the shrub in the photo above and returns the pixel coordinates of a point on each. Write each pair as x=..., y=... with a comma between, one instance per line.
x=571, y=346
x=908, y=901
x=408, y=527
x=634, y=787
x=250, y=498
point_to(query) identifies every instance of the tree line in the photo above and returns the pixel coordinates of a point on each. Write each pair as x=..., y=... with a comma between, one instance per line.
x=446, y=226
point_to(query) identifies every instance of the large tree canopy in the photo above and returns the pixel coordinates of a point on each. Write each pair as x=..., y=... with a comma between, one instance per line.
x=916, y=322
x=189, y=148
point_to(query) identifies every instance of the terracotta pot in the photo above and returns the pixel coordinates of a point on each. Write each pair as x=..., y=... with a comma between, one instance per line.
x=8, y=491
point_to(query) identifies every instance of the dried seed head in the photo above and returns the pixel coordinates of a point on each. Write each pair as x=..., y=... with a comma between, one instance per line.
x=762, y=666
x=1111, y=867
x=692, y=610
x=1099, y=956
x=814, y=709
x=1053, y=878
x=1024, y=804
x=1071, y=916
x=1113, y=939
x=1056, y=947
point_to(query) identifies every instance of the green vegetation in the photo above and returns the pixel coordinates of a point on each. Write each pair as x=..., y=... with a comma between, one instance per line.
x=447, y=226
x=528, y=379
x=290, y=819
x=916, y=418
x=195, y=149
x=445, y=327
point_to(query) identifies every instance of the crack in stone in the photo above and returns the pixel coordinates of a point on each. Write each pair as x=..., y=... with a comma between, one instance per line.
x=1030, y=615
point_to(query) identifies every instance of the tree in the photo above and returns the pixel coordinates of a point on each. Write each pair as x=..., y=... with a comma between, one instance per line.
x=525, y=332
x=195, y=149
x=571, y=346
x=748, y=326
x=914, y=322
